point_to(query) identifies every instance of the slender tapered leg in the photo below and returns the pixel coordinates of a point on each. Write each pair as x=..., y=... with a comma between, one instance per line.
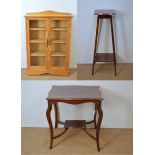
x=100, y=113
x=115, y=66
x=48, y=115
x=113, y=44
x=95, y=117
x=95, y=48
x=93, y=66
x=56, y=114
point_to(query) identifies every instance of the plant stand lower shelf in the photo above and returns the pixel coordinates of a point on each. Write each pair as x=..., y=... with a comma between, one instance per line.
x=104, y=57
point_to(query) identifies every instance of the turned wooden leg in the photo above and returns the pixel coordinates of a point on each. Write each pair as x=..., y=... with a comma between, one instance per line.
x=113, y=44
x=96, y=39
x=48, y=115
x=100, y=113
x=56, y=114
x=95, y=116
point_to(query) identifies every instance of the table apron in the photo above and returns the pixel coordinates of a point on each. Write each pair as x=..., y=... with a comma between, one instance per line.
x=53, y=101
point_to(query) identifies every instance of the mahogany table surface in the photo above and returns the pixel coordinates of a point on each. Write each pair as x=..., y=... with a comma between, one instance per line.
x=74, y=92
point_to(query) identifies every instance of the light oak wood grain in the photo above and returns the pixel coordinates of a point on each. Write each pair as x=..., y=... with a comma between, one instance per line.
x=48, y=42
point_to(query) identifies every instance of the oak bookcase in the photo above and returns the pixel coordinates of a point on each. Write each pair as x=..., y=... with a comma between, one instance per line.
x=48, y=42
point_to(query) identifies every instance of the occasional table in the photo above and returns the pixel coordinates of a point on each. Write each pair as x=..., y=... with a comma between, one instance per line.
x=74, y=95
x=104, y=57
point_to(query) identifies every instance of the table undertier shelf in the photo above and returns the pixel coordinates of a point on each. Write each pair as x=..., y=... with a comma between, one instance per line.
x=104, y=57
x=75, y=123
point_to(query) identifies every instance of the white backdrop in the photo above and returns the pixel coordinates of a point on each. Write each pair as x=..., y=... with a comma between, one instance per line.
x=117, y=104
x=55, y=5
x=123, y=26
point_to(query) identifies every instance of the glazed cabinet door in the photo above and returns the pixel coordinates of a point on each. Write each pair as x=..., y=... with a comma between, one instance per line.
x=37, y=42
x=59, y=32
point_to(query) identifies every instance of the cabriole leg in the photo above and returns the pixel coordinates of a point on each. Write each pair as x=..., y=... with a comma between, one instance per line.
x=100, y=113
x=48, y=115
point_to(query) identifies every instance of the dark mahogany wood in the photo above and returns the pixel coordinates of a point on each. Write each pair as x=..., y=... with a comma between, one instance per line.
x=95, y=48
x=74, y=93
x=89, y=122
x=75, y=123
x=105, y=12
x=48, y=115
x=113, y=44
x=104, y=57
x=56, y=114
x=95, y=116
x=99, y=109
x=93, y=137
x=67, y=94
x=60, y=133
x=60, y=122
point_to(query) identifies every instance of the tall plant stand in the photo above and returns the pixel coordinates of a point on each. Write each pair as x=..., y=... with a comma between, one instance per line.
x=104, y=57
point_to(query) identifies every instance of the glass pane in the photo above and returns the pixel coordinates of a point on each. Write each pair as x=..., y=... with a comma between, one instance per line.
x=38, y=49
x=37, y=61
x=37, y=24
x=37, y=42
x=37, y=31
x=58, y=37
x=59, y=24
x=58, y=49
x=37, y=34
x=58, y=33
x=58, y=61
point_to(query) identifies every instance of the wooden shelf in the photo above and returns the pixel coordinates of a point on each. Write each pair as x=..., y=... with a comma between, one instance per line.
x=59, y=41
x=75, y=123
x=104, y=57
x=37, y=41
x=58, y=54
x=38, y=28
x=39, y=53
x=59, y=28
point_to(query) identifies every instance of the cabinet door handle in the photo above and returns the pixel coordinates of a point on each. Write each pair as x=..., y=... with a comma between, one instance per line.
x=47, y=42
